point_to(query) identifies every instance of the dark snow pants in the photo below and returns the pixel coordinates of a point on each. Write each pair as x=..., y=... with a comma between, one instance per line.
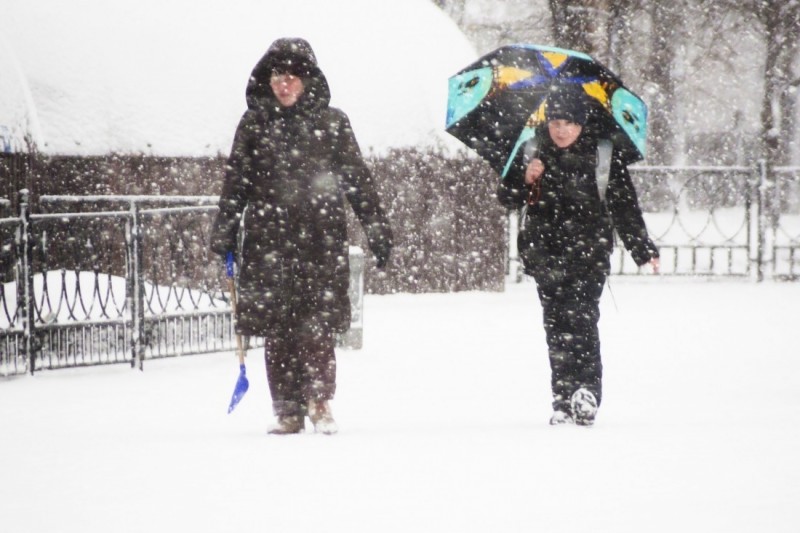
x=571, y=311
x=301, y=366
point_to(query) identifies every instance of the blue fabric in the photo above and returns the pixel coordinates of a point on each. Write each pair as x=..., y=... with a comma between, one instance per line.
x=466, y=92
x=229, y=264
x=238, y=391
x=631, y=114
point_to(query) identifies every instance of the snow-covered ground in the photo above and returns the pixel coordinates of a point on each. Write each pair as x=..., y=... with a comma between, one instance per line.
x=443, y=419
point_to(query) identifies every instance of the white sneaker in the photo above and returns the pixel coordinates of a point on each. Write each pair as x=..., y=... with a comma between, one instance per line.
x=560, y=418
x=584, y=407
x=320, y=414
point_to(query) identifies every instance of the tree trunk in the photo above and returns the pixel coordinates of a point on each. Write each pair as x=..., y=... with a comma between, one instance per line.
x=790, y=22
x=769, y=133
x=781, y=22
x=582, y=25
x=659, y=72
x=619, y=33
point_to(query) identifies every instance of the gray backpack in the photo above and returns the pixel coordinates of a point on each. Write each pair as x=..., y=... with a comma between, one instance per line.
x=604, y=150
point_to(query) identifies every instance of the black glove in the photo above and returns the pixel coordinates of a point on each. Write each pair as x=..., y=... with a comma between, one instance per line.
x=380, y=240
x=224, y=234
x=382, y=254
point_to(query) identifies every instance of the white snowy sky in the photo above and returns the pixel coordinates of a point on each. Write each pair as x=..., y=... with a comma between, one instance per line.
x=167, y=77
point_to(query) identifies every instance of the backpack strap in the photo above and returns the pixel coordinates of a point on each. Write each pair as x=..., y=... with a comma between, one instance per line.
x=530, y=153
x=531, y=150
x=603, y=170
x=605, y=149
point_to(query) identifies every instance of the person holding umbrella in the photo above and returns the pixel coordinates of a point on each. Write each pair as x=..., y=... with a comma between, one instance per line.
x=293, y=163
x=566, y=239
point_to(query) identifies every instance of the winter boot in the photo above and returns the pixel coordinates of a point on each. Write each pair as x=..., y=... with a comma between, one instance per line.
x=319, y=411
x=287, y=425
x=560, y=418
x=584, y=407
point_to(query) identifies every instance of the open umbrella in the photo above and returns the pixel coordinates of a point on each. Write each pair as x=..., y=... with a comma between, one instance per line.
x=497, y=103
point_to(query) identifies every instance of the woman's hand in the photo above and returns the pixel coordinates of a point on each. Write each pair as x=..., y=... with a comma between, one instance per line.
x=534, y=171
x=656, y=264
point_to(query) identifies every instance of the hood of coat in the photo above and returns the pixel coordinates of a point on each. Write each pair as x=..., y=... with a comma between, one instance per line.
x=294, y=55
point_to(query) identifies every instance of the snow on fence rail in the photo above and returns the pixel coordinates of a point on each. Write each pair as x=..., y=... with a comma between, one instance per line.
x=55, y=316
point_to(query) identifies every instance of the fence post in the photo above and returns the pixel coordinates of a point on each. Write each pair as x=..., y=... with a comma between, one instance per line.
x=755, y=238
x=134, y=286
x=25, y=297
x=514, y=269
x=764, y=194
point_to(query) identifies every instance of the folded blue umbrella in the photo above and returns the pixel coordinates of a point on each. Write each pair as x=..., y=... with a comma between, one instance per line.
x=241, y=383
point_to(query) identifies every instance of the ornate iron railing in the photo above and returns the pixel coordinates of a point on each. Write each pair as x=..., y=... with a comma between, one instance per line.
x=782, y=223
x=141, y=285
x=701, y=218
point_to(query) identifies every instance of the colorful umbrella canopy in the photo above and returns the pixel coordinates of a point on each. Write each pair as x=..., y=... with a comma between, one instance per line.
x=497, y=103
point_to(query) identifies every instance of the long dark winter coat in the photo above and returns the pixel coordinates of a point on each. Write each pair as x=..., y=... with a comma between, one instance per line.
x=567, y=228
x=288, y=174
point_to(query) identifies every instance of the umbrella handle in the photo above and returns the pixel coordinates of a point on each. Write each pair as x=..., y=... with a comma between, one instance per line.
x=232, y=288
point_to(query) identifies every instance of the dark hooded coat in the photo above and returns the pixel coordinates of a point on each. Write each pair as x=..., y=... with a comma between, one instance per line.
x=567, y=228
x=287, y=178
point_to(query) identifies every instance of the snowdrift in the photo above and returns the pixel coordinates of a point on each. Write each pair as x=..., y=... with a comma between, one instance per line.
x=168, y=78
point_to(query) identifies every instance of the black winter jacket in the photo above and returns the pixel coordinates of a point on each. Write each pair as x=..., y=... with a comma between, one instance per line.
x=288, y=174
x=567, y=228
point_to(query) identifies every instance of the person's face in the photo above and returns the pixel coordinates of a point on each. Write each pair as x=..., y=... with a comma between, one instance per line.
x=563, y=132
x=287, y=88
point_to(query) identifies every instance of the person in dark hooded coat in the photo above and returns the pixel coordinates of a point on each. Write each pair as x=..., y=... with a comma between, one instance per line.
x=565, y=243
x=293, y=163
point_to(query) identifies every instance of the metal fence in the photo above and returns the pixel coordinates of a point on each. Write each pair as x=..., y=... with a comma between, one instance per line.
x=141, y=285
x=130, y=295
x=714, y=221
